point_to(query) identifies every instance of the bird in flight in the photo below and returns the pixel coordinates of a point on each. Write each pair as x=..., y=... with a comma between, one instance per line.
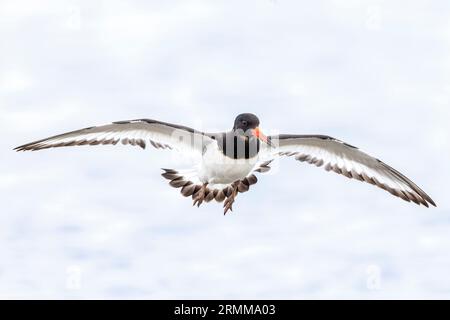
x=227, y=162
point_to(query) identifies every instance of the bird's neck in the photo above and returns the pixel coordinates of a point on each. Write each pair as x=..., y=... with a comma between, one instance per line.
x=238, y=146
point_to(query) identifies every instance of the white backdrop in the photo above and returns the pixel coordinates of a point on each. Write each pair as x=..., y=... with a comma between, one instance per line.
x=100, y=222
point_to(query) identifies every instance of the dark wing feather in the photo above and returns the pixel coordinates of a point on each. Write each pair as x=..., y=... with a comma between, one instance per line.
x=135, y=132
x=347, y=160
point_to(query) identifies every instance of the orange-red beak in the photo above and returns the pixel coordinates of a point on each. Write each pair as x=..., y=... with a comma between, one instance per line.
x=258, y=133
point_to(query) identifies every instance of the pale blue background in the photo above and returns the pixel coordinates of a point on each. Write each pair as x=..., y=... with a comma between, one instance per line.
x=100, y=222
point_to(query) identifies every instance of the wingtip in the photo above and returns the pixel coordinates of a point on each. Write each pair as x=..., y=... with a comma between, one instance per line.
x=431, y=201
x=26, y=147
x=427, y=202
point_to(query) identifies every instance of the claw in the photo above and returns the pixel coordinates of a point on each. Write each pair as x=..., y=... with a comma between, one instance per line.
x=228, y=204
x=200, y=196
x=230, y=208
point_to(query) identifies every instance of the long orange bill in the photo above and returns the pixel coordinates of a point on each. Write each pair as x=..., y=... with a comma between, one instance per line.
x=258, y=133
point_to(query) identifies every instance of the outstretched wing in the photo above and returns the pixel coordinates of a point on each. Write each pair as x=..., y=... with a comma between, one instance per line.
x=135, y=132
x=344, y=159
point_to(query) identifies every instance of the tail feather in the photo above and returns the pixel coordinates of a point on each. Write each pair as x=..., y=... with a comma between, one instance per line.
x=201, y=193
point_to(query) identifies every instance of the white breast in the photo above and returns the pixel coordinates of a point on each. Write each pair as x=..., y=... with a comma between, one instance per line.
x=216, y=168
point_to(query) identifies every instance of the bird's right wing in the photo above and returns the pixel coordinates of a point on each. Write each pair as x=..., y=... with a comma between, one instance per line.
x=135, y=132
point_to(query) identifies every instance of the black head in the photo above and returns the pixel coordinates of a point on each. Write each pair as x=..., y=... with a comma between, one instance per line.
x=245, y=122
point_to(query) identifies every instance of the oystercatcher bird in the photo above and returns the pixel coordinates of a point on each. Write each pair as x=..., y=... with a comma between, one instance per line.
x=227, y=162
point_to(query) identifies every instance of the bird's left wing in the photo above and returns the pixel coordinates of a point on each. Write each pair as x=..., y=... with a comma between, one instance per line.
x=344, y=159
x=134, y=132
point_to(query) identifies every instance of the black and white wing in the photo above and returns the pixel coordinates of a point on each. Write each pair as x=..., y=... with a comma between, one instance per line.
x=344, y=159
x=140, y=133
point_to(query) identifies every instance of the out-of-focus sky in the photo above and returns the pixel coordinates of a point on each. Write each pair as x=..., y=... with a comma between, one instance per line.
x=100, y=222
